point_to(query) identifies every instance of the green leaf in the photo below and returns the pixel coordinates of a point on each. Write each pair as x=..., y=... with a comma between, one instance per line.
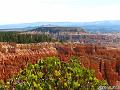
x=40, y=74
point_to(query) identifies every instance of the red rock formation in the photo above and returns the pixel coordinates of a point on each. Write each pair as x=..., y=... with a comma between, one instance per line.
x=106, y=63
x=11, y=63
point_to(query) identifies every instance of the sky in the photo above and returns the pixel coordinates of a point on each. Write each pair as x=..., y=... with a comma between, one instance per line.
x=27, y=11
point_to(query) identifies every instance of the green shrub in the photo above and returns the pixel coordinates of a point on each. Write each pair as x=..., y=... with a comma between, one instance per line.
x=53, y=74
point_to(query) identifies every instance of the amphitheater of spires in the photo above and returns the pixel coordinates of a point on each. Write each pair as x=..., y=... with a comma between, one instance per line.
x=105, y=62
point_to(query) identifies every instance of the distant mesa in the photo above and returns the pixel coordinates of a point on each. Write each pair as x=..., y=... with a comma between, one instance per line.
x=93, y=27
x=57, y=29
x=49, y=25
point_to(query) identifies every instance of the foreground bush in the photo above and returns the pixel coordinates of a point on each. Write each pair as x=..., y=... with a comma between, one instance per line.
x=53, y=74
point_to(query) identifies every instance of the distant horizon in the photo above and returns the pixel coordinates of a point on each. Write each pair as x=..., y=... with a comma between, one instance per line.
x=58, y=22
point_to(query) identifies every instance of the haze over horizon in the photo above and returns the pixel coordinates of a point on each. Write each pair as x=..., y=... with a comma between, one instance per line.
x=27, y=11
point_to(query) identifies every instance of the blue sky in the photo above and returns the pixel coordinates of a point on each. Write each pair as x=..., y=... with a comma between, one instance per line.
x=23, y=11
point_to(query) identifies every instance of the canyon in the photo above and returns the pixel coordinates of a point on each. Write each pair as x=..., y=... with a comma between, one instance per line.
x=105, y=62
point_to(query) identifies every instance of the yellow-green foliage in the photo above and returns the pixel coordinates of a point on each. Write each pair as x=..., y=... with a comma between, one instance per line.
x=53, y=74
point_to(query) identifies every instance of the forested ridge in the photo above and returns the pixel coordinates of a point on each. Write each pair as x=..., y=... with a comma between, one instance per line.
x=23, y=38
